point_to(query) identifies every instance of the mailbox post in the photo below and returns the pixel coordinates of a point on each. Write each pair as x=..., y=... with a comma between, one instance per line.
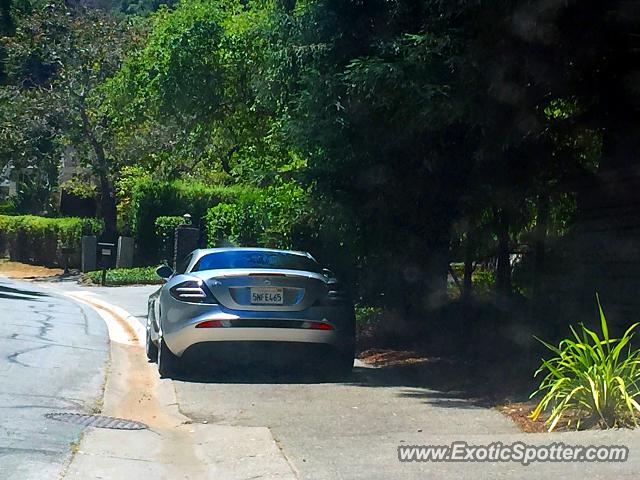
x=105, y=253
x=186, y=240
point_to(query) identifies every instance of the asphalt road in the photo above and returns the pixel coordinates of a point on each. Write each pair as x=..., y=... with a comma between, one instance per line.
x=53, y=353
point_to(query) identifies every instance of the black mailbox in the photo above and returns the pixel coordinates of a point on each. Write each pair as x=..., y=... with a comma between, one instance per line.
x=107, y=254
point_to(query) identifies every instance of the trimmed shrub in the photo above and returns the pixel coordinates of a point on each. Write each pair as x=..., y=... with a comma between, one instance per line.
x=152, y=199
x=39, y=240
x=125, y=276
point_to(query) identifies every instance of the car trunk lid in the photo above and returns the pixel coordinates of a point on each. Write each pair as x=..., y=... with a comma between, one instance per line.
x=265, y=289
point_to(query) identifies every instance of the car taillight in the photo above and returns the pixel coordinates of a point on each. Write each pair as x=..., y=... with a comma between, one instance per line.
x=193, y=291
x=317, y=326
x=213, y=324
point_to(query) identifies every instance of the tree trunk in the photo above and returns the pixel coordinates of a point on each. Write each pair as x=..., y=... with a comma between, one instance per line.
x=503, y=269
x=540, y=240
x=437, y=271
x=107, y=194
x=108, y=207
x=467, y=281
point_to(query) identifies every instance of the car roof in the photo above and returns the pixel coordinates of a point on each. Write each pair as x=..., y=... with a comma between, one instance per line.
x=204, y=251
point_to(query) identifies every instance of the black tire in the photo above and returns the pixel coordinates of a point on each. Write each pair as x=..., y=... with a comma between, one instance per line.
x=167, y=361
x=151, y=349
x=340, y=365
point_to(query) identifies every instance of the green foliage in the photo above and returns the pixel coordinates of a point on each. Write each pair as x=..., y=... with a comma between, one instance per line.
x=264, y=218
x=188, y=102
x=126, y=276
x=368, y=316
x=483, y=281
x=39, y=240
x=165, y=231
x=28, y=147
x=144, y=7
x=81, y=187
x=151, y=199
x=166, y=225
x=179, y=68
x=592, y=380
x=8, y=207
x=55, y=61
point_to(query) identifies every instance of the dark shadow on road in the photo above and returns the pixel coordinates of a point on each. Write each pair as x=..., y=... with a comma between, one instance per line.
x=253, y=374
x=442, y=382
x=448, y=382
x=62, y=277
x=20, y=294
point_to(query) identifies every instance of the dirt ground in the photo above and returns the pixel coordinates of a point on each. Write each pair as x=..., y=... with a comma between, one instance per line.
x=519, y=413
x=24, y=271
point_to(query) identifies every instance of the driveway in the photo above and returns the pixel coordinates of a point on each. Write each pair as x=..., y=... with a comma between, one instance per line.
x=352, y=430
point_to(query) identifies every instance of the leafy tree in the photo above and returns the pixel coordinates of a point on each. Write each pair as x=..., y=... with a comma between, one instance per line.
x=390, y=139
x=56, y=60
x=192, y=92
x=420, y=123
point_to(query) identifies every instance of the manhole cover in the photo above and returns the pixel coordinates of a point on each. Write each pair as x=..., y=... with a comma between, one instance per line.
x=98, y=421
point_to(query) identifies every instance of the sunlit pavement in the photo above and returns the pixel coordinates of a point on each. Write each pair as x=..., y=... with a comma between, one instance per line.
x=351, y=430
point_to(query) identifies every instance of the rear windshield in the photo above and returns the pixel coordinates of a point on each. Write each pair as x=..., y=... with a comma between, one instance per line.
x=255, y=259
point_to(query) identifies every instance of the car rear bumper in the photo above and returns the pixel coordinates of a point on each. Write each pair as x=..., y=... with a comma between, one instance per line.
x=179, y=332
x=179, y=341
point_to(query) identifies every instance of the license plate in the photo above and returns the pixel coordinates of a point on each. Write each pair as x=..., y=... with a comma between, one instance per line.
x=267, y=296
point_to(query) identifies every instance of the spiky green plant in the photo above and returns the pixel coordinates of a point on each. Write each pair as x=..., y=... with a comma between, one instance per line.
x=592, y=380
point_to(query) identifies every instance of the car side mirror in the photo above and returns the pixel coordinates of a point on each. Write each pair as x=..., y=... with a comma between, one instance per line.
x=164, y=271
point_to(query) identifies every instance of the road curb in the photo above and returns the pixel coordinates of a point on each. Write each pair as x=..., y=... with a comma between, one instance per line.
x=136, y=331
x=174, y=446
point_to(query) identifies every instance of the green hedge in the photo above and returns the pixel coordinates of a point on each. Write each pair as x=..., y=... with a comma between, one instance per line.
x=266, y=218
x=126, y=276
x=39, y=240
x=152, y=199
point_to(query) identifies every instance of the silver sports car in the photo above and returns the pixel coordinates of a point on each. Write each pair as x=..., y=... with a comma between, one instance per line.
x=225, y=299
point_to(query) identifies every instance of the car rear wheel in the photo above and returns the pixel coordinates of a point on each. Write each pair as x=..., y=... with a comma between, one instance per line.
x=151, y=348
x=167, y=361
x=339, y=365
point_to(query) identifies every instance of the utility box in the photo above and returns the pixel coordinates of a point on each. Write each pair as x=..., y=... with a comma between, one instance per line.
x=187, y=239
x=89, y=245
x=124, y=258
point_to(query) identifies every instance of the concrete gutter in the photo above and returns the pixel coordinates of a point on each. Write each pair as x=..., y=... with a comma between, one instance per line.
x=173, y=446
